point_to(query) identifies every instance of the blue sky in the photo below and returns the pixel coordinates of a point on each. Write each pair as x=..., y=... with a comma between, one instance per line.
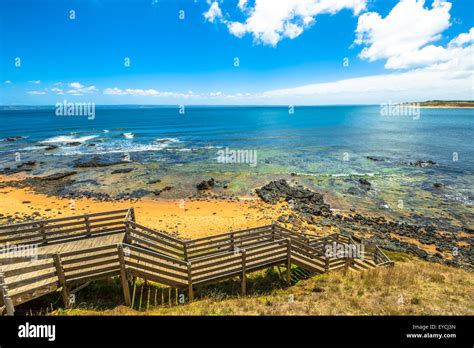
x=289, y=51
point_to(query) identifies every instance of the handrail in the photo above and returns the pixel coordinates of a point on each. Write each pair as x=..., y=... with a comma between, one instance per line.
x=155, y=232
x=227, y=233
x=155, y=254
x=76, y=217
x=260, y=250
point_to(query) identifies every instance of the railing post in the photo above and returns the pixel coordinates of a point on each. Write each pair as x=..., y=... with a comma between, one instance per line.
x=244, y=272
x=190, y=283
x=123, y=275
x=231, y=242
x=326, y=265
x=127, y=238
x=185, y=251
x=288, y=260
x=273, y=230
x=7, y=301
x=62, y=279
x=132, y=214
x=43, y=232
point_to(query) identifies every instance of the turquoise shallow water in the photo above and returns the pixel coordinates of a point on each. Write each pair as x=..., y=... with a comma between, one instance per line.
x=313, y=139
x=317, y=141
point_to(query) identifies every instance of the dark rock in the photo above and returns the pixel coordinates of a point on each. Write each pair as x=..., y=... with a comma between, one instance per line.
x=51, y=147
x=159, y=192
x=74, y=143
x=57, y=176
x=206, y=184
x=422, y=164
x=437, y=185
x=13, y=138
x=353, y=191
x=417, y=251
x=154, y=181
x=95, y=162
x=302, y=200
x=122, y=171
x=29, y=164
x=365, y=184
x=375, y=159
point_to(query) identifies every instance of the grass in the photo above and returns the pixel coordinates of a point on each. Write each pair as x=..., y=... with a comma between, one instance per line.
x=411, y=287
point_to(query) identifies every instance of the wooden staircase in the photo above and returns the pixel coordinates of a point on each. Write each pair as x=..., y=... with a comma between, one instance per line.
x=98, y=247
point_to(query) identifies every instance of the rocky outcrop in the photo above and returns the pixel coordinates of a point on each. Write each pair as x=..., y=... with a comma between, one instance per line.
x=301, y=199
x=95, y=162
x=422, y=164
x=122, y=171
x=206, y=184
x=57, y=176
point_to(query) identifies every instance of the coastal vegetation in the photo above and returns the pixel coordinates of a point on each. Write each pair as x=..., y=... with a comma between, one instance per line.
x=410, y=287
x=448, y=104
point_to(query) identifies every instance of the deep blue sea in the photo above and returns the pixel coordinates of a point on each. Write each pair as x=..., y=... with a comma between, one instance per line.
x=328, y=147
x=316, y=140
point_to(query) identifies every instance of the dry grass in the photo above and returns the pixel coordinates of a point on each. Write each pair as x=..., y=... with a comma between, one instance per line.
x=411, y=287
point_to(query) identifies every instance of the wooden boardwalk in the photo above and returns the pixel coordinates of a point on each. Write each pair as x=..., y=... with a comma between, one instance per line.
x=65, y=254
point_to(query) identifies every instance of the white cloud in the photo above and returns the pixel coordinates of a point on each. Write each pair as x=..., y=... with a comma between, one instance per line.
x=401, y=37
x=7, y=82
x=131, y=91
x=36, y=82
x=462, y=39
x=36, y=92
x=446, y=80
x=58, y=83
x=115, y=91
x=270, y=21
x=76, y=85
x=79, y=89
x=242, y=4
x=58, y=91
x=213, y=13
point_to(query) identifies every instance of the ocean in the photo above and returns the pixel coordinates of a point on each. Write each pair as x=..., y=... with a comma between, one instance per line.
x=318, y=142
x=309, y=136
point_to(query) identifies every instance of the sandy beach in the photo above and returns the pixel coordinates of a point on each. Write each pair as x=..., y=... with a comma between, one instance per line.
x=189, y=219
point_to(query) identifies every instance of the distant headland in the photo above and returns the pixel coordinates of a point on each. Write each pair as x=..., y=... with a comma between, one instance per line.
x=447, y=104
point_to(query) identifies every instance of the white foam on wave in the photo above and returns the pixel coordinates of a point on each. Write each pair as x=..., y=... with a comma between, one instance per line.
x=181, y=150
x=33, y=148
x=352, y=174
x=109, y=148
x=128, y=135
x=68, y=139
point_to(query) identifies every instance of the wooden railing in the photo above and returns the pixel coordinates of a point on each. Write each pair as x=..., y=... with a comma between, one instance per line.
x=227, y=241
x=64, y=229
x=160, y=257
x=158, y=241
x=380, y=258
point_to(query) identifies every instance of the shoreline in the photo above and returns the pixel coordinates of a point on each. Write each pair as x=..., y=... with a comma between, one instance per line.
x=311, y=212
x=190, y=219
